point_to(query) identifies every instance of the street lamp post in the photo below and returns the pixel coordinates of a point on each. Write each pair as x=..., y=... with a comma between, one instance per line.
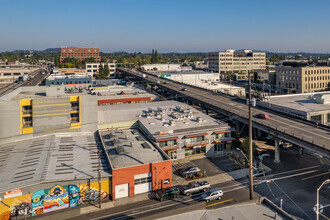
x=250, y=139
x=317, y=198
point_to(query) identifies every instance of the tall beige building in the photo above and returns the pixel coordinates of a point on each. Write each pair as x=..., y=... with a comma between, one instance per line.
x=236, y=62
x=302, y=79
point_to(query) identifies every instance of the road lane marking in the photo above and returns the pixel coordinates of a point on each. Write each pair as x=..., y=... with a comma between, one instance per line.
x=324, y=216
x=320, y=174
x=228, y=200
x=291, y=171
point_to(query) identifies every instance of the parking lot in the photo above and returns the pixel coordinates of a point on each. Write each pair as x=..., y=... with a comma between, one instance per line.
x=210, y=166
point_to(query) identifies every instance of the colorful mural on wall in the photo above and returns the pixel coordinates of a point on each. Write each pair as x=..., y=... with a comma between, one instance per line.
x=52, y=199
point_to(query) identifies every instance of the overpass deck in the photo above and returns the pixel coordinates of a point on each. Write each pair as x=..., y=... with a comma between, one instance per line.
x=302, y=134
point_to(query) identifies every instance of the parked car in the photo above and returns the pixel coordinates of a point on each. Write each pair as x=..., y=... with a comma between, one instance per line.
x=212, y=195
x=172, y=192
x=184, y=89
x=262, y=116
x=190, y=171
x=286, y=145
x=258, y=172
x=264, y=156
x=194, y=187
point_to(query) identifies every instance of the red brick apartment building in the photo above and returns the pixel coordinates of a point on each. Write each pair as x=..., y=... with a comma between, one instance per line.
x=80, y=53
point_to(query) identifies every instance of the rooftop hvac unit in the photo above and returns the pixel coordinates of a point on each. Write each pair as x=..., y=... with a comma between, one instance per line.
x=120, y=150
x=111, y=135
x=172, y=123
x=159, y=109
x=150, y=110
x=126, y=137
x=131, y=144
x=199, y=120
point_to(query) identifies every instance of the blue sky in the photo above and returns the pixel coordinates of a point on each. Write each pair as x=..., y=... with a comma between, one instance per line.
x=166, y=25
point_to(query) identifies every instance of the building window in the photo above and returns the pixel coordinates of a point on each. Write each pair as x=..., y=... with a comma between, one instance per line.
x=169, y=143
x=219, y=147
x=195, y=150
x=143, y=180
x=316, y=118
x=89, y=66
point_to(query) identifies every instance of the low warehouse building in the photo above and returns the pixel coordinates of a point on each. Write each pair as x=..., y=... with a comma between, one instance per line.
x=137, y=166
x=176, y=128
x=314, y=107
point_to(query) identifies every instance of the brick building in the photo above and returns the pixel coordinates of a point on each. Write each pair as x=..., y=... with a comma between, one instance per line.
x=80, y=53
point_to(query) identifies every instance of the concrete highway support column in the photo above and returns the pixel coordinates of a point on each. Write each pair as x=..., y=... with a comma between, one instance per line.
x=277, y=151
x=258, y=133
x=237, y=126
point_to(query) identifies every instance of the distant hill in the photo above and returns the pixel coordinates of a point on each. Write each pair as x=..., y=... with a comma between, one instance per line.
x=52, y=50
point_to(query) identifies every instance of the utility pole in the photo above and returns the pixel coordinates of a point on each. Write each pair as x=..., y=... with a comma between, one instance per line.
x=99, y=177
x=250, y=140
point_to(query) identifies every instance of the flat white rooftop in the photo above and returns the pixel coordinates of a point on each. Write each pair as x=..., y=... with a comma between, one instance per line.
x=301, y=102
x=127, y=148
x=50, y=158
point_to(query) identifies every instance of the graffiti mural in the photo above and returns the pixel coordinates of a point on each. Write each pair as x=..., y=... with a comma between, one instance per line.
x=52, y=199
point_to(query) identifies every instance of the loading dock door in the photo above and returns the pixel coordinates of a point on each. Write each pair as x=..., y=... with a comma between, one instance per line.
x=121, y=191
x=142, y=183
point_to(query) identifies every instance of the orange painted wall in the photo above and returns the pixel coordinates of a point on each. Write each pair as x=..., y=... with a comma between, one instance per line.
x=126, y=175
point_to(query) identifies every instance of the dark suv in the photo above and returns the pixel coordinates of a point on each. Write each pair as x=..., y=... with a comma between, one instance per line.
x=167, y=193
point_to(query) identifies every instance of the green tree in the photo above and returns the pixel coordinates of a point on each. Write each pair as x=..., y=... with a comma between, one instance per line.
x=101, y=72
x=152, y=60
x=106, y=72
x=245, y=146
x=156, y=57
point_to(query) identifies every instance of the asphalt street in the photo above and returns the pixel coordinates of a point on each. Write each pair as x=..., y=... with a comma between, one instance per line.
x=295, y=180
x=234, y=192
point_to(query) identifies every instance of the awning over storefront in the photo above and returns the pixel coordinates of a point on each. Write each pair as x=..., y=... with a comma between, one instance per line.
x=195, y=135
x=170, y=149
x=221, y=132
x=167, y=139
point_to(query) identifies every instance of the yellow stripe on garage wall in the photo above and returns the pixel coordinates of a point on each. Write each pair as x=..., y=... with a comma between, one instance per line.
x=76, y=99
x=24, y=102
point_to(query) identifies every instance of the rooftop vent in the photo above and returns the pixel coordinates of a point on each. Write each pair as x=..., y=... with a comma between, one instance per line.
x=131, y=144
x=126, y=137
x=199, y=119
x=145, y=145
x=172, y=123
x=111, y=135
x=115, y=142
x=120, y=150
x=150, y=110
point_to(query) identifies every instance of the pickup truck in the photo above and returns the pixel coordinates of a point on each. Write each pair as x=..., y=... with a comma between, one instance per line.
x=194, y=187
x=167, y=193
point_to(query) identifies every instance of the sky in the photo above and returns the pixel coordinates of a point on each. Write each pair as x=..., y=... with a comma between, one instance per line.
x=166, y=25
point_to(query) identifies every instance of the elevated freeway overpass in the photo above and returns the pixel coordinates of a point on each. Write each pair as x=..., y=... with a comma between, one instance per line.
x=281, y=127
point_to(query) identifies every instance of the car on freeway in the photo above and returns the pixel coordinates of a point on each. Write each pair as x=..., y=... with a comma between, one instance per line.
x=162, y=194
x=184, y=89
x=190, y=171
x=212, y=194
x=262, y=116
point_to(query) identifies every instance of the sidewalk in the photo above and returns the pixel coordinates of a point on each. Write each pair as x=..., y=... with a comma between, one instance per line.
x=177, y=180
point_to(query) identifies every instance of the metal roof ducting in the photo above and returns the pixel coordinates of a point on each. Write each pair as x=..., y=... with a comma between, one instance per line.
x=115, y=142
x=145, y=145
x=120, y=150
